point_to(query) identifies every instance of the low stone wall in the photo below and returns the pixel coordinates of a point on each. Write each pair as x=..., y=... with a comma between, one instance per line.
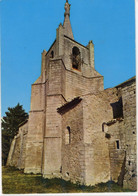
x=17, y=152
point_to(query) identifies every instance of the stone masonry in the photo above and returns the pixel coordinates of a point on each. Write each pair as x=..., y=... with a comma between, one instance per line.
x=77, y=130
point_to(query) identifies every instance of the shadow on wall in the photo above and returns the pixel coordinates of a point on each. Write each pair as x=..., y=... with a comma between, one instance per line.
x=117, y=108
x=123, y=172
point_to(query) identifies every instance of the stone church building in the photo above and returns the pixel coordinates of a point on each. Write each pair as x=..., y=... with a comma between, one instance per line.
x=77, y=130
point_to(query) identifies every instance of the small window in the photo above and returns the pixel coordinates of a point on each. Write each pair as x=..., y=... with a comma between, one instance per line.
x=117, y=144
x=52, y=54
x=76, y=58
x=61, y=169
x=67, y=136
x=67, y=174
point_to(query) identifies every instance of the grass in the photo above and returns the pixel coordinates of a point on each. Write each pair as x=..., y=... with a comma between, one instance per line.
x=14, y=181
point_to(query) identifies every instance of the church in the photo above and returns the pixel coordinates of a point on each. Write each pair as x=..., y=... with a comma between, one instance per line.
x=77, y=130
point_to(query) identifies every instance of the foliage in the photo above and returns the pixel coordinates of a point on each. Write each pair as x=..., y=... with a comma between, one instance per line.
x=10, y=123
x=15, y=181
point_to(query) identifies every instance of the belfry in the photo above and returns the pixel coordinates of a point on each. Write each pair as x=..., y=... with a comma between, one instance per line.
x=77, y=130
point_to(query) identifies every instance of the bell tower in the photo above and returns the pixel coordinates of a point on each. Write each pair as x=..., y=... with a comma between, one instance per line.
x=67, y=71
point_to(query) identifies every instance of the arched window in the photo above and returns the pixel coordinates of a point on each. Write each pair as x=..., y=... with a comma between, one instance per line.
x=52, y=54
x=67, y=136
x=76, y=58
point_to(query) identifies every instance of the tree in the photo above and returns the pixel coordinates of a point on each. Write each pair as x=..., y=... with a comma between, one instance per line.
x=10, y=124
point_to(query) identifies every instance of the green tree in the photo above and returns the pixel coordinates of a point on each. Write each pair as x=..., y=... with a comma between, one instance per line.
x=10, y=124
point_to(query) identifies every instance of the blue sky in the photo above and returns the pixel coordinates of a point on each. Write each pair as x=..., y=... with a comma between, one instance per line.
x=29, y=26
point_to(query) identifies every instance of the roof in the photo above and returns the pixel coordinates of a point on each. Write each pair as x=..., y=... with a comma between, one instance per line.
x=76, y=41
x=23, y=123
x=69, y=105
x=133, y=79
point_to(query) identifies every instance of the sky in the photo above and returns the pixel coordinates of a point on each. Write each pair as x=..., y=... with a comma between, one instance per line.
x=29, y=26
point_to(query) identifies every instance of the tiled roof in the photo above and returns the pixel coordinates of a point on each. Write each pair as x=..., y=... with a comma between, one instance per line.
x=69, y=105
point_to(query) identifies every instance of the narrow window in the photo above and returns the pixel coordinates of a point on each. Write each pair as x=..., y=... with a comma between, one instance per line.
x=117, y=144
x=52, y=54
x=67, y=174
x=61, y=169
x=67, y=136
x=76, y=59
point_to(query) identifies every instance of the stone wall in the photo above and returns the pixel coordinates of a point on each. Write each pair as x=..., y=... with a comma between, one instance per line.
x=121, y=133
x=52, y=137
x=17, y=152
x=11, y=151
x=34, y=143
x=77, y=85
x=97, y=109
x=128, y=91
x=56, y=78
x=49, y=56
x=97, y=166
x=52, y=133
x=37, y=97
x=70, y=83
x=73, y=163
x=116, y=139
x=23, y=151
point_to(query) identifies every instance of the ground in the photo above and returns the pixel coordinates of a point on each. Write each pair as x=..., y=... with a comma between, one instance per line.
x=15, y=181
